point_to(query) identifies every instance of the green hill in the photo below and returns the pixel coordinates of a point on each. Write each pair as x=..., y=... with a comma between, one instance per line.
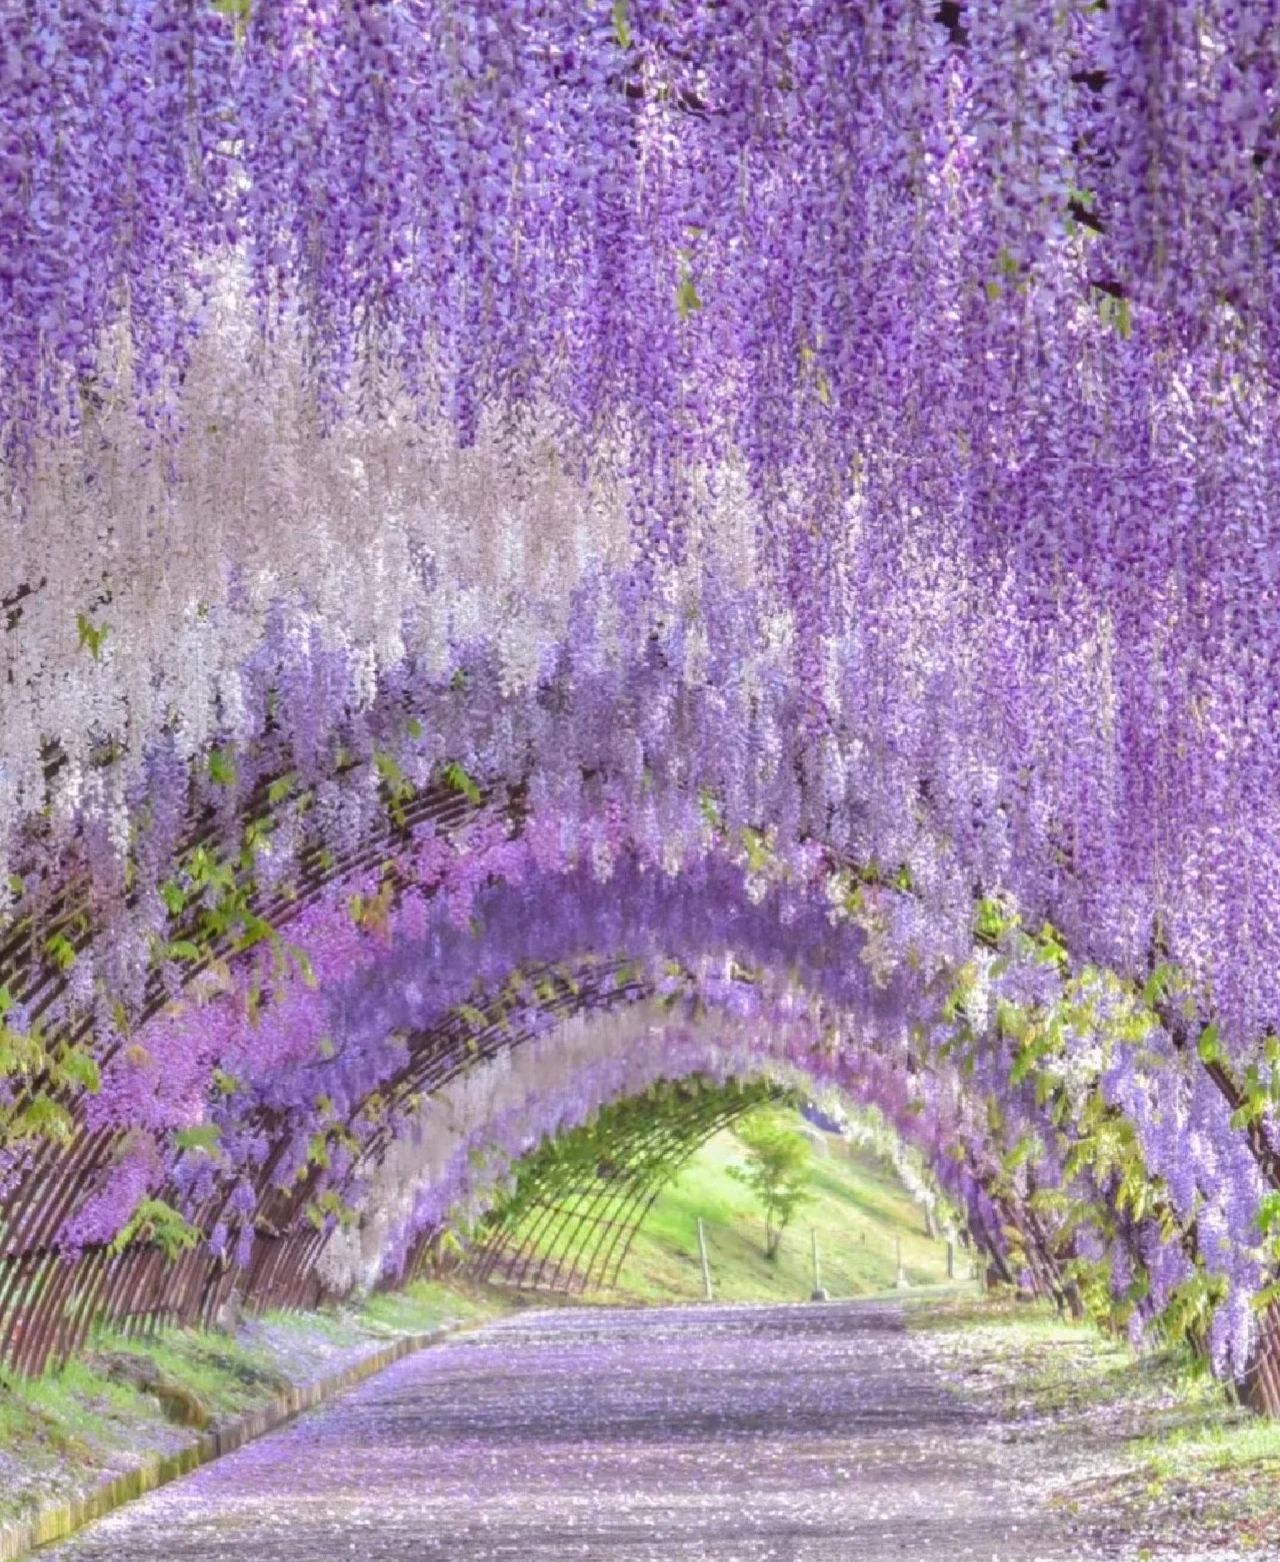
x=860, y=1210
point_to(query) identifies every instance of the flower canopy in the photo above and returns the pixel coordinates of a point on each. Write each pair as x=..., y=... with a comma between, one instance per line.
x=771, y=511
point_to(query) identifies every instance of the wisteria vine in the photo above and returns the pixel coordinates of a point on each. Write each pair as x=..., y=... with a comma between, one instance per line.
x=773, y=508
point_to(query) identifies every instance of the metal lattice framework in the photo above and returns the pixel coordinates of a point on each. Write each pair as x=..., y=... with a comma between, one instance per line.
x=813, y=455
x=50, y=1298
x=579, y=1202
x=48, y=1301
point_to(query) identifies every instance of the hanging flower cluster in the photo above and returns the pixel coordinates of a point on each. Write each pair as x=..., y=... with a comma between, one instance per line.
x=786, y=493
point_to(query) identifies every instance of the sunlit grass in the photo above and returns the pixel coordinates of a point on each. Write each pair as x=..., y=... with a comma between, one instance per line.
x=63, y=1431
x=425, y=1305
x=1217, y=1440
x=860, y=1211
x=1181, y=1453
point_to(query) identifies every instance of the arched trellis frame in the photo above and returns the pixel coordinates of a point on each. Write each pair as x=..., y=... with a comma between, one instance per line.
x=926, y=506
x=44, y=1312
x=577, y=1207
x=137, y=1288
x=49, y=1300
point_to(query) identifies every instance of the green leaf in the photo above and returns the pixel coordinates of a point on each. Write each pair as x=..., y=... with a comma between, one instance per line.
x=77, y=1067
x=222, y=767
x=158, y=1222
x=1027, y=1058
x=687, y=300
x=92, y=638
x=621, y=26
x=302, y=960
x=1159, y=984
x=1249, y=1112
x=256, y=930
x=280, y=789
x=1269, y=1214
x=204, y=1136
x=399, y=788
x=238, y=11
x=41, y=1118
x=456, y=777
x=389, y=769
x=1117, y=313
x=991, y=920
x=61, y=951
x=757, y=849
x=1209, y=1046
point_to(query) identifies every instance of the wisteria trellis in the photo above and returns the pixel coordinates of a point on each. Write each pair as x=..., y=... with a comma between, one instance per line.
x=778, y=503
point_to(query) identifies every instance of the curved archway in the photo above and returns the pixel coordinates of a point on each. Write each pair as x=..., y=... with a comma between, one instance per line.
x=272, y=1192
x=569, y=1222
x=534, y=586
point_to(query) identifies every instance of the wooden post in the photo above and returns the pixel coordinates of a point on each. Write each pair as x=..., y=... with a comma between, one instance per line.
x=706, y=1267
x=818, y=1294
x=1260, y=1389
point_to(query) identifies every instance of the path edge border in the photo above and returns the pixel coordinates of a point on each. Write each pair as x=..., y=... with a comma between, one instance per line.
x=60, y=1520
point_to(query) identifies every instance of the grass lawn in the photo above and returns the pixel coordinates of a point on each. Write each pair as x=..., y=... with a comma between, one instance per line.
x=64, y=1433
x=860, y=1210
x=1175, y=1459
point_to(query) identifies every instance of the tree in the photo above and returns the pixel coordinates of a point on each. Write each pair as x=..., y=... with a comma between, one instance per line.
x=778, y=1171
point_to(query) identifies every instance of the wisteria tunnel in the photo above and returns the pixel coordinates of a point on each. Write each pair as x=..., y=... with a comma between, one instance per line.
x=557, y=556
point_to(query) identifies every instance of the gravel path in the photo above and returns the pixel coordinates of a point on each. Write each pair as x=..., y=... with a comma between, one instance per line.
x=815, y=1433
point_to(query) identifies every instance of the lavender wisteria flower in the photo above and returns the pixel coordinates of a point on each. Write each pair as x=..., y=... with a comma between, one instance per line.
x=765, y=509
